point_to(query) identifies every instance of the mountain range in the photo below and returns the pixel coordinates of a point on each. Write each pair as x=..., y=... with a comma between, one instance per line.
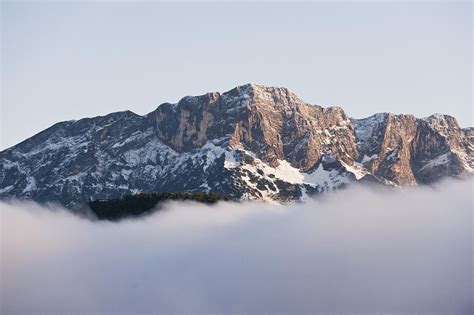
x=252, y=142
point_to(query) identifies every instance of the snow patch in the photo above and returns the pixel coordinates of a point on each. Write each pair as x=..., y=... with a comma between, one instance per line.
x=231, y=160
x=6, y=189
x=356, y=168
x=364, y=128
x=366, y=158
x=325, y=180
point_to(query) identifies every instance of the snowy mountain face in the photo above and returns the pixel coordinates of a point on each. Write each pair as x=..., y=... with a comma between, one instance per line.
x=252, y=142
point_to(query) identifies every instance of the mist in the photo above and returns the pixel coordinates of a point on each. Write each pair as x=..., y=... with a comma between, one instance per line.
x=360, y=250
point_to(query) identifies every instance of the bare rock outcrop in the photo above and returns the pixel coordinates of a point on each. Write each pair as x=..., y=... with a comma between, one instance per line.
x=252, y=142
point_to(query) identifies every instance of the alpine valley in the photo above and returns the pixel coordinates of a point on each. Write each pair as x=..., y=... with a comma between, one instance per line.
x=252, y=142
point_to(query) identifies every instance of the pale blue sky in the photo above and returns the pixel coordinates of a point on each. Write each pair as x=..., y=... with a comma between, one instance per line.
x=65, y=61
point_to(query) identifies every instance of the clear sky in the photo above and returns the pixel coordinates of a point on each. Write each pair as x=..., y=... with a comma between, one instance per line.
x=63, y=61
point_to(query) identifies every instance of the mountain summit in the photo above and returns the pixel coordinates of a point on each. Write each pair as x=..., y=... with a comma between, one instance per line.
x=252, y=142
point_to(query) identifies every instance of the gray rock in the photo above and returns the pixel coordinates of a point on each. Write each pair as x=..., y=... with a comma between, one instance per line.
x=252, y=142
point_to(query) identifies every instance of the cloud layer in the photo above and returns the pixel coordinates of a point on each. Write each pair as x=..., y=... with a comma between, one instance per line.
x=360, y=250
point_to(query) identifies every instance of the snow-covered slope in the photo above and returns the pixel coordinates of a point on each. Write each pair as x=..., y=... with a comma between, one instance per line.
x=252, y=142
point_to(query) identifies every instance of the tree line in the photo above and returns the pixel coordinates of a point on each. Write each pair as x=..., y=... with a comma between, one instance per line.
x=144, y=203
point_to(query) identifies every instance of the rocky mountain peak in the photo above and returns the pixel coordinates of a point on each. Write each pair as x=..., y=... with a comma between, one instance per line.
x=251, y=142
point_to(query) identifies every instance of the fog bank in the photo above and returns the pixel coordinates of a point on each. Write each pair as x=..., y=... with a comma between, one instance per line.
x=360, y=250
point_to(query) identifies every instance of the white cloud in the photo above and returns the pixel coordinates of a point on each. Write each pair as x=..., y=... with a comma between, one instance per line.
x=359, y=250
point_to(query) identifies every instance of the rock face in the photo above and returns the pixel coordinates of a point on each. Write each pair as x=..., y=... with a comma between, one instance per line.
x=253, y=142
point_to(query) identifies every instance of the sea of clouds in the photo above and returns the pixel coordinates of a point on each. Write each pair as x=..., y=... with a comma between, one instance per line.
x=360, y=250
